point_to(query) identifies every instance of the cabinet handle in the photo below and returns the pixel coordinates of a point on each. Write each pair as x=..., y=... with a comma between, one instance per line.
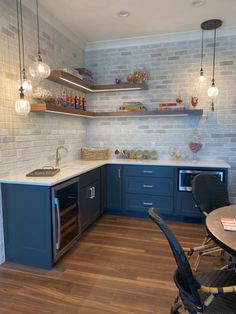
x=146, y=203
x=119, y=173
x=147, y=171
x=148, y=186
x=56, y=203
x=90, y=193
x=94, y=192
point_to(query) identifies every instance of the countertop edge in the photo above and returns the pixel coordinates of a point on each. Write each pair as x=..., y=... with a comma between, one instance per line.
x=80, y=167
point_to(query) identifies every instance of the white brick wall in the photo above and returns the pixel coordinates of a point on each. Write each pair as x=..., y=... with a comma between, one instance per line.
x=173, y=69
x=30, y=142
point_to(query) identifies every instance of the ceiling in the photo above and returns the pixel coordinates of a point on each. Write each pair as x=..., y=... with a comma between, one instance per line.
x=97, y=20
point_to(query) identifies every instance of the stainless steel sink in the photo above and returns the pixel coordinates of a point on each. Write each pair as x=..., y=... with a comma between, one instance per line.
x=43, y=172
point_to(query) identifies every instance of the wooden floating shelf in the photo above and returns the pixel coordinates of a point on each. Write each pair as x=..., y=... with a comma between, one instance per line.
x=43, y=107
x=74, y=82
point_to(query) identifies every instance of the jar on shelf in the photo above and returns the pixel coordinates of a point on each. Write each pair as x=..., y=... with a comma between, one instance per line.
x=195, y=144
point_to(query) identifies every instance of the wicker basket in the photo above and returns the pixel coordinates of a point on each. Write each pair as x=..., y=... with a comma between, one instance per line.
x=94, y=153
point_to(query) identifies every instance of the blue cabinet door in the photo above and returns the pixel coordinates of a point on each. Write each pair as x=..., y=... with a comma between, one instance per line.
x=114, y=187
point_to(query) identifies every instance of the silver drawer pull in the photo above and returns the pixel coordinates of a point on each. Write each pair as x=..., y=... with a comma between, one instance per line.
x=149, y=204
x=147, y=171
x=148, y=186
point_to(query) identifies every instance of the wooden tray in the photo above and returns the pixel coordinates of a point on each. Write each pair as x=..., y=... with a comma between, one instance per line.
x=43, y=172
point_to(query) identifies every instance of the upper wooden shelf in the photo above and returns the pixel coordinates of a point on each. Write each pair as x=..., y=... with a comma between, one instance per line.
x=89, y=114
x=74, y=82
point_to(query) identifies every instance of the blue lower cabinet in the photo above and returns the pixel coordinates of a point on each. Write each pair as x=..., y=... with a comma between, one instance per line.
x=114, y=188
x=150, y=186
x=138, y=205
x=27, y=224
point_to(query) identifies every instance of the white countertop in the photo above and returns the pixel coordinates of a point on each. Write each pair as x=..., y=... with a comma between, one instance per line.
x=79, y=167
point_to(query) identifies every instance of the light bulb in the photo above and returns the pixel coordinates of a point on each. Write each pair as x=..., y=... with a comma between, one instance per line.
x=201, y=78
x=22, y=107
x=27, y=87
x=39, y=70
x=213, y=91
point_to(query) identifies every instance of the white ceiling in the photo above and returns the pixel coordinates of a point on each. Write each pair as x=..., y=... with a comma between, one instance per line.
x=97, y=20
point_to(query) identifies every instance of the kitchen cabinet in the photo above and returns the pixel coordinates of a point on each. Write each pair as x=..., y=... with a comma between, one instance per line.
x=90, y=197
x=114, y=188
x=148, y=186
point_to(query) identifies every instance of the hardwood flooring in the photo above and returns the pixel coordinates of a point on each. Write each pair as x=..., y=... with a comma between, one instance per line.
x=120, y=265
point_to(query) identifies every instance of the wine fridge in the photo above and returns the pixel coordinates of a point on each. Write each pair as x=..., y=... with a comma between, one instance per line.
x=65, y=216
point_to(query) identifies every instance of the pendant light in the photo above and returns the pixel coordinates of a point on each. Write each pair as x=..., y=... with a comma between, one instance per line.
x=26, y=84
x=202, y=77
x=39, y=70
x=22, y=106
x=212, y=25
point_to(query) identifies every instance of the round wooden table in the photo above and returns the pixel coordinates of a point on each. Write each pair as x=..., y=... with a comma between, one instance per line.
x=225, y=239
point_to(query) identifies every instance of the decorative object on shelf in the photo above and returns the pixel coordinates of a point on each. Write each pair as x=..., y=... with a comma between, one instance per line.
x=94, y=153
x=201, y=76
x=177, y=153
x=195, y=144
x=194, y=101
x=171, y=106
x=130, y=78
x=132, y=106
x=137, y=75
x=144, y=75
x=22, y=105
x=39, y=70
x=117, y=80
x=42, y=94
x=136, y=154
x=85, y=74
x=179, y=101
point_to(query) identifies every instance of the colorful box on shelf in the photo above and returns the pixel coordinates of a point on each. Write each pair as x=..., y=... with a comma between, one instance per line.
x=171, y=106
x=132, y=106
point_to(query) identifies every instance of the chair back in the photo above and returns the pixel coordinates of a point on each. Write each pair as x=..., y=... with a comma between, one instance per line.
x=185, y=281
x=209, y=192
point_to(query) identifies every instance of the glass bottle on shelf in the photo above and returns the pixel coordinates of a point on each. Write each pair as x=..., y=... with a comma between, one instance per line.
x=195, y=144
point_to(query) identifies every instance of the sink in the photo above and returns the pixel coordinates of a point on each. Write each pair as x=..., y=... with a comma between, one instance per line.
x=43, y=172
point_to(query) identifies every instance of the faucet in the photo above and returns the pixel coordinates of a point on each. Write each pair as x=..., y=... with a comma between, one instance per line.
x=58, y=156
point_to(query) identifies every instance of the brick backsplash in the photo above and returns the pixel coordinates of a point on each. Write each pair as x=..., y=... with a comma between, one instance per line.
x=173, y=70
x=30, y=142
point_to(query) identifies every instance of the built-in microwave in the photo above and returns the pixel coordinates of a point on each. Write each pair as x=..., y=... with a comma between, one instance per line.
x=185, y=177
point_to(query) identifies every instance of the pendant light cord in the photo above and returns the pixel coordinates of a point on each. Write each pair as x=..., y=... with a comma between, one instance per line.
x=202, y=49
x=37, y=14
x=19, y=47
x=22, y=42
x=214, y=56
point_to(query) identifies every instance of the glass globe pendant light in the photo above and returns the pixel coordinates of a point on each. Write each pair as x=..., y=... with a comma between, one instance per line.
x=39, y=70
x=22, y=105
x=212, y=25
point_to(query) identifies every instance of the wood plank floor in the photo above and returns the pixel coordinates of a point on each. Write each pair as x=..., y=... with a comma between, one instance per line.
x=120, y=265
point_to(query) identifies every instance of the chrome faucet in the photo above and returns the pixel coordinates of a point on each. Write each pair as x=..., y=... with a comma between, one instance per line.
x=58, y=156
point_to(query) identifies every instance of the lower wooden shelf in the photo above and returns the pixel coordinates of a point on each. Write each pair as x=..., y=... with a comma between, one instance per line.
x=43, y=107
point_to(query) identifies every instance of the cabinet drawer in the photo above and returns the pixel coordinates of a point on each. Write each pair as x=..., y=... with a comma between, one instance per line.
x=150, y=186
x=89, y=177
x=142, y=203
x=149, y=171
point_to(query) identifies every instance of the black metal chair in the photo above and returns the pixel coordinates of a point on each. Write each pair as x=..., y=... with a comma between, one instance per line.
x=209, y=292
x=209, y=193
